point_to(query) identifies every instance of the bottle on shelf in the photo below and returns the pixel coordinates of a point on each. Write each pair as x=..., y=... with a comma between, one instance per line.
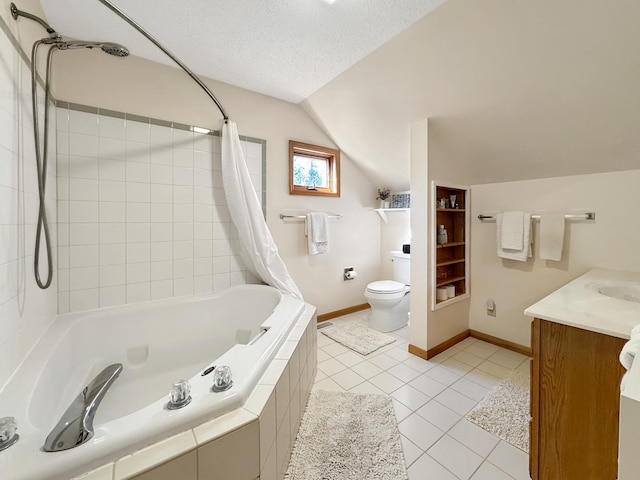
x=442, y=235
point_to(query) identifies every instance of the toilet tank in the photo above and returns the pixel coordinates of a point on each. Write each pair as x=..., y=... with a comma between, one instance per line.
x=401, y=266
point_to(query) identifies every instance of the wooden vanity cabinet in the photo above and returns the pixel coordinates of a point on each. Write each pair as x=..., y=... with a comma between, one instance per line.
x=575, y=403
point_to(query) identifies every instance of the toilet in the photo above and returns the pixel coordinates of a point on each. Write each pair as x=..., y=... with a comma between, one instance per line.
x=389, y=299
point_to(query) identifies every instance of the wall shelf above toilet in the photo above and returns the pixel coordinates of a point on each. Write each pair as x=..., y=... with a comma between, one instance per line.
x=383, y=212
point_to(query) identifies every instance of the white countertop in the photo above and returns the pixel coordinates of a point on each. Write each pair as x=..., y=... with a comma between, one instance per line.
x=578, y=304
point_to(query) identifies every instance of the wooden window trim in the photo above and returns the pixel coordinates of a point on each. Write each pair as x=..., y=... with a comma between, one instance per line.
x=333, y=157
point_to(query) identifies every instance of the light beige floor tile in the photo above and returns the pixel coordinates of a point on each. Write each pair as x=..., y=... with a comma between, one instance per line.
x=455, y=457
x=426, y=468
x=419, y=431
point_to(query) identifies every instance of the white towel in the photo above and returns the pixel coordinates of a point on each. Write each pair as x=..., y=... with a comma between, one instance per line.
x=317, y=233
x=512, y=231
x=520, y=255
x=551, y=236
x=631, y=348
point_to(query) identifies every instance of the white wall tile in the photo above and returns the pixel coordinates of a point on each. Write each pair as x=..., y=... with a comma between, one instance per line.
x=137, y=131
x=83, y=212
x=83, y=145
x=112, y=212
x=110, y=127
x=83, y=278
x=138, y=272
x=162, y=174
x=83, y=122
x=143, y=201
x=83, y=233
x=112, y=169
x=84, y=299
x=138, y=212
x=138, y=292
x=83, y=167
x=161, y=232
x=161, y=289
x=112, y=191
x=111, y=275
x=161, y=212
x=83, y=189
x=138, y=252
x=113, y=233
x=113, y=296
x=138, y=172
x=113, y=254
x=137, y=152
x=138, y=192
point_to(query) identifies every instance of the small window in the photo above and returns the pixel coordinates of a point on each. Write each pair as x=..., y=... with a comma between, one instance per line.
x=313, y=170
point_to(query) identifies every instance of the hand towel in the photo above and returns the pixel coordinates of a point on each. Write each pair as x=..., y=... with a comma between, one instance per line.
x=317, y=233
x=512, y=231
x=551, y=236
x=521, y=255
x=631, y=348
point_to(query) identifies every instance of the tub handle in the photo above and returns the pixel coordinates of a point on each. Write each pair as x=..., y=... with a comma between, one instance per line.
x=76, y=425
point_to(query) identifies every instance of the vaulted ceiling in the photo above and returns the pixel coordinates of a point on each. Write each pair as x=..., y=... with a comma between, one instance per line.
x=513, y=90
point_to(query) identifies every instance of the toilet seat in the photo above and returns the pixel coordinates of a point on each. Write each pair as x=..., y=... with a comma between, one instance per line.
x=386, y=287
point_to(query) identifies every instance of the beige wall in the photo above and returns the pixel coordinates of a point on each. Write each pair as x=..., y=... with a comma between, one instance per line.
x=609, y=242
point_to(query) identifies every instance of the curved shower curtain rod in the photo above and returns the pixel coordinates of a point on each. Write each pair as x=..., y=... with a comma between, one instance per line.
x=151, y=38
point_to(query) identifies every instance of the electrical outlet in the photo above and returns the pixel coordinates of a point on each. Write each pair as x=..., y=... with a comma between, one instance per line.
x=491, y=308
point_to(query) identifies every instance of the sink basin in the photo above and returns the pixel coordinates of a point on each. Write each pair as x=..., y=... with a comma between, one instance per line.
x=628, y=291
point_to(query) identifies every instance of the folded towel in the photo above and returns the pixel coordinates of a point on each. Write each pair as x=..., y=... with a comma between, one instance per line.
x=317, y=233
x=521, y=255
x=512, y=231
x=551, y=236
x=631, y=348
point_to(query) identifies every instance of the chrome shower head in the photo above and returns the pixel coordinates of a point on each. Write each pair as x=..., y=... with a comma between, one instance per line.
x=115, y=49
x=111, y=48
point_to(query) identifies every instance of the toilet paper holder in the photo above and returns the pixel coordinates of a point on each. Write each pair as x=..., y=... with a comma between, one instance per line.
x=349, y=273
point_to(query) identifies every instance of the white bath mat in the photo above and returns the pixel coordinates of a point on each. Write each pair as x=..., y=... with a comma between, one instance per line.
x=505, y=411
x=347, y=436
x=358, y=337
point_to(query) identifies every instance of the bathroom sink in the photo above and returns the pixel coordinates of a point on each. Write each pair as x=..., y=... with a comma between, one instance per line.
x=628, y=291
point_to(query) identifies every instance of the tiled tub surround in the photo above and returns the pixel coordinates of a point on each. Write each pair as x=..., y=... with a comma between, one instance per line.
x=252, y=442
x=154, y=354
x=25, y=310
x=142, y=211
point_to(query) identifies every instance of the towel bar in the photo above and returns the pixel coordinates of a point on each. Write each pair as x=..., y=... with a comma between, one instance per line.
x=583, y=216
x=303, y=217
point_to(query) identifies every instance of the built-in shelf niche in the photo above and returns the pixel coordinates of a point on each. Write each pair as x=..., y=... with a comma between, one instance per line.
x=449, y=261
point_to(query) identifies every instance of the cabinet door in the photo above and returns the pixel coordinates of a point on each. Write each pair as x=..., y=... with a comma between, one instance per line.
x=578, y=403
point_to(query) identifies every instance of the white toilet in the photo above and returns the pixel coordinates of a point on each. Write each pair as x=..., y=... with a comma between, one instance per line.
x=389, y=299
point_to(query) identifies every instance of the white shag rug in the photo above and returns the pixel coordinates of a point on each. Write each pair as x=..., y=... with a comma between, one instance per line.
x=347, y=436
x=505, y=411
x=358, y=337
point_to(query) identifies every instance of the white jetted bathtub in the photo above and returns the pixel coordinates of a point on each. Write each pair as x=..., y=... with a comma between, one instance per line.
x=157, y=344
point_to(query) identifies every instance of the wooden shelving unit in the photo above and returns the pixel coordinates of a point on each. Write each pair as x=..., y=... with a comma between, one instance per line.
x=450, y=261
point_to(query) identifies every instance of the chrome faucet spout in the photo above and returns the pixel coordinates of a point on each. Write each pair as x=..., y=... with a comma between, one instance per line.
x=76, y=425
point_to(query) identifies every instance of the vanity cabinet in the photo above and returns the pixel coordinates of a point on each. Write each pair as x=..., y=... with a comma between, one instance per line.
x=575, y=403
x=450, y=260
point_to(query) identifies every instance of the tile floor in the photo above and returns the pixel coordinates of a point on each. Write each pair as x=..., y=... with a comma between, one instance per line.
x=431, y=399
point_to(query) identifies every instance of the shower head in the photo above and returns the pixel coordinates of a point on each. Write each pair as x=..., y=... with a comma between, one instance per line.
x=111, y=48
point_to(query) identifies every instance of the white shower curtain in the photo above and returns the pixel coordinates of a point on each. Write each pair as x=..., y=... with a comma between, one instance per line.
x=259, y=251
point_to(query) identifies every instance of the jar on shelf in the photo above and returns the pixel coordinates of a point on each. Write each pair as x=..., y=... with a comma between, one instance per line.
x=442, y=235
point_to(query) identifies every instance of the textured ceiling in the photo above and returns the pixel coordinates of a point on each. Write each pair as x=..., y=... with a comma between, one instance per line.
x=283, y=48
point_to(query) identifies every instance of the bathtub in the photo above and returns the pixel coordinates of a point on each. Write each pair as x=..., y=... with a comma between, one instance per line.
x=157, y=343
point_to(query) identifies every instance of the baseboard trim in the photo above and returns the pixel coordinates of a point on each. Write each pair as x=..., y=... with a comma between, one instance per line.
x=342, y=311
x=432, y=352
x=515, y=347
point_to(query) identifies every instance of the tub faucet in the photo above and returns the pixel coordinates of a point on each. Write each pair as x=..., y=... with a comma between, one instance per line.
x=76, y=425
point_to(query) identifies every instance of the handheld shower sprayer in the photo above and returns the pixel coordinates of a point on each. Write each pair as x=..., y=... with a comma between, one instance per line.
x=55, y=42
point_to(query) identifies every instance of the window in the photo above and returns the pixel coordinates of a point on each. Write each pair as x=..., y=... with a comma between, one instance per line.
x=313, y=170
